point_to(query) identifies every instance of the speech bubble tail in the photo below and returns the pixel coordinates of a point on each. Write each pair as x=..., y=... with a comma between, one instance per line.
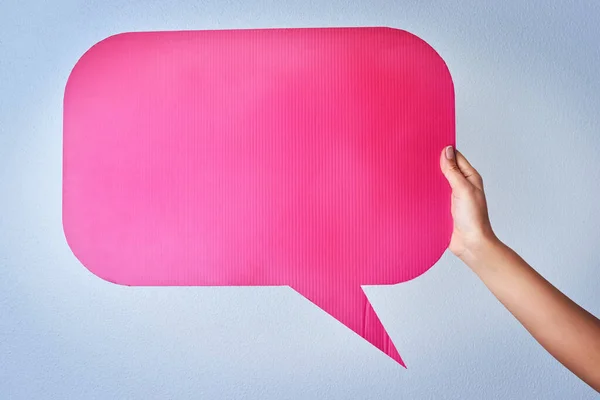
x=350, y=306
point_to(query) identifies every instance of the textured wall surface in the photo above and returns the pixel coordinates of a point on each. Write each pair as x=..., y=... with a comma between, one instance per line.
x=528, y=101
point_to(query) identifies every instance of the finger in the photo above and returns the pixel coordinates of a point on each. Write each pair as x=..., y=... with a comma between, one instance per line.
x=451, y=170
x=468, y=171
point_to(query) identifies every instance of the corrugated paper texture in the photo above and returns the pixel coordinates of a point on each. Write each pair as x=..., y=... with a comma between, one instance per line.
x=300, y=157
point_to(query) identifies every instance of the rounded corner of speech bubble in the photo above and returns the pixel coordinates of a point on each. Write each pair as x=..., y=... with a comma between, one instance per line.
x=332, y=274
x=79, y=252
x=426, y=46
x=82, y=66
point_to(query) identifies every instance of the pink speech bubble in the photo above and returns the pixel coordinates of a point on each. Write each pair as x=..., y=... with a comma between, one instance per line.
x=300, y=157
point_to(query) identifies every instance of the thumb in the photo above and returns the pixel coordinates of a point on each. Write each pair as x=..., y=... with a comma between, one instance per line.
x=450, y=169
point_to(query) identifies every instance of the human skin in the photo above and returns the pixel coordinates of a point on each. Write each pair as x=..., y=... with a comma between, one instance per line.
x=567, y=331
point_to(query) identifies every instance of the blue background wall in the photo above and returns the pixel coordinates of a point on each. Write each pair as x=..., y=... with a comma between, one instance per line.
x=528, y=117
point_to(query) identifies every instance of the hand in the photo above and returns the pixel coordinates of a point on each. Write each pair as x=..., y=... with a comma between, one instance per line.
x=567, y=331
x=472, y=228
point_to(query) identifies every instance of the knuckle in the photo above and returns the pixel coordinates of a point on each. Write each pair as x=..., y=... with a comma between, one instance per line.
x=453, y=167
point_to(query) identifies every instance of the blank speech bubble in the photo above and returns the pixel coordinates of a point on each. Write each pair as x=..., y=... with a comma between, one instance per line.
x=301, y=157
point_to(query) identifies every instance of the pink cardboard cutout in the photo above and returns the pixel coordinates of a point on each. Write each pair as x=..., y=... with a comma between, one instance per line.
x=300, y=157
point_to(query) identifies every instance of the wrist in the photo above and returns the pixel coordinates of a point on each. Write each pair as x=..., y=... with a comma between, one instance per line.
x=481, y=250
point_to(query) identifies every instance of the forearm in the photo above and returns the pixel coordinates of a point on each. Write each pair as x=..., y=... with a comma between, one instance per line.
x=567, y=331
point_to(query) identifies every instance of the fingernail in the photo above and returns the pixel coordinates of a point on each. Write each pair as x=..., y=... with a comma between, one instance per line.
x=449, y=152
